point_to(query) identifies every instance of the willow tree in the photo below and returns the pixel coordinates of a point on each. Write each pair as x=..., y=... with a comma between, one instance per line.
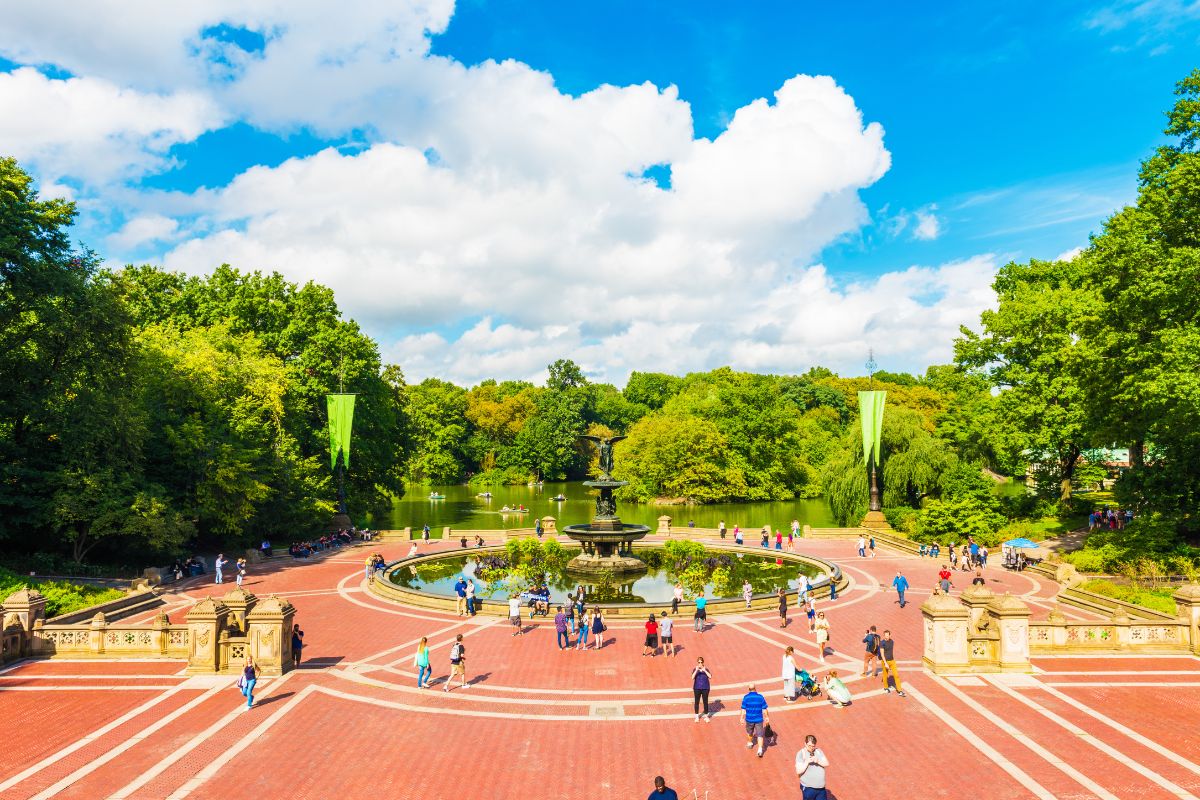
x=914, y=464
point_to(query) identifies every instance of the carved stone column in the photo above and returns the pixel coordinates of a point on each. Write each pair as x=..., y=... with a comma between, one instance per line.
x=205, y=622
x=1187, y=608
x=1011, y=616
x=664, y=525
x=96, y=633
x=549, y=526
x=162, y=633
x=946, y=622
x=270, y=635
x=240, y=603
x=29, y=608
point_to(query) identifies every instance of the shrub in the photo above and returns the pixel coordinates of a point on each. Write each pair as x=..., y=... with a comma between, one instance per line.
x=1155, y=599
x=902, y=518
x=954, y=520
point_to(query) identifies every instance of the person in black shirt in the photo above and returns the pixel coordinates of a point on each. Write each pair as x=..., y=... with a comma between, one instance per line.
x=978, y=580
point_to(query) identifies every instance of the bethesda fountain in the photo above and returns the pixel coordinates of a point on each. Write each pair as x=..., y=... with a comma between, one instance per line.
x=606, y=541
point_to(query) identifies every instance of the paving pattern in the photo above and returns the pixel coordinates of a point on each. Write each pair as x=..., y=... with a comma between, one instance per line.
x=535, y=721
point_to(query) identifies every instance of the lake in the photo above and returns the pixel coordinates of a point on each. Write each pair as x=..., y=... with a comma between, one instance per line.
x=462, y=509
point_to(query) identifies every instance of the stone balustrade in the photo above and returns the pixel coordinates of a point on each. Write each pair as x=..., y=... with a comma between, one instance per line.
x=217, y=636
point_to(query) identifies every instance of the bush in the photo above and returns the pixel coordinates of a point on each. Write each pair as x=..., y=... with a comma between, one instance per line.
x=1150, y=537
x=61, y=597
x=1154, y=599
x=902, y=518
x=946, y=521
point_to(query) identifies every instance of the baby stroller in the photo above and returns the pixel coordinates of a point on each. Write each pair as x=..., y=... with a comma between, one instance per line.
x=806, y=686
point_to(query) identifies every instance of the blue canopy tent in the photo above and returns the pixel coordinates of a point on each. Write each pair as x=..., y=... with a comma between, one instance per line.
x=1021, y=544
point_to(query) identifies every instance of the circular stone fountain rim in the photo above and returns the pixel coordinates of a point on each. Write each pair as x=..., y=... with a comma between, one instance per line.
x=385, y=588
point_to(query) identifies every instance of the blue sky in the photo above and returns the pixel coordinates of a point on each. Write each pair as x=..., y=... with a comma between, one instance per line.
x=467, y=198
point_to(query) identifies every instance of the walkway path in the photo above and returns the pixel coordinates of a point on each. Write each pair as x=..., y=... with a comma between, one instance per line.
x=539, y=722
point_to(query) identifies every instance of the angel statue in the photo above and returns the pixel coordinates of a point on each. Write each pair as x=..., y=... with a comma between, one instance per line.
x=605, y=448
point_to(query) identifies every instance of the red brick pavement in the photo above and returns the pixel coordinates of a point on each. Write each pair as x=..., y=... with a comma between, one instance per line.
x=537, y=721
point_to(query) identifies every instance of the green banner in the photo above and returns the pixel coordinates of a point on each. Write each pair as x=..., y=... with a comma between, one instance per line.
x=341, y=418
x=870, y=410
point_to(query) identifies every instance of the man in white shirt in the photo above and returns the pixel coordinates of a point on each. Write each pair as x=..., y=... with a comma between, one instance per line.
x=514, y=613
x=862, y=547
x=811, y=764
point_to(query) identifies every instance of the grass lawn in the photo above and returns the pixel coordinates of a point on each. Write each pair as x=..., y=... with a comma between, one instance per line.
x=61, y=597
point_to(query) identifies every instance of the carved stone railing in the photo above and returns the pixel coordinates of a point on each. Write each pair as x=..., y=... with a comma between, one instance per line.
x=1118, y=634
x=218, y=636
x=100, y=638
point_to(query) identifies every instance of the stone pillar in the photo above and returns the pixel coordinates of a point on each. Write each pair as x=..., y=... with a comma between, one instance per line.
x=240, y=603
x=806, y=531
x=205, y=622
x=976, y=598
x=446, y=534
x=1058, y=627
x=549, y=525
x=271, y=635
x=1011, y=616
x=408, y=533
x=664, y=525
x=28, y=606
x=162, y=633
x=946, y=622
x=1187, y=608
x=99, y=627
x=1121, y=624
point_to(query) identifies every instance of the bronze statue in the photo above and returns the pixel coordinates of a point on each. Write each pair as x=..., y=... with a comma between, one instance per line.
x=605, y=448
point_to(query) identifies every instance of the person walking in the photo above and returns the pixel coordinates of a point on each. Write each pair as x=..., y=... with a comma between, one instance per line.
x=458, y=662
x=888, y=661
x=666, y=634
x=701, y=684
x=241, y=571
x=425, y=533
x=871, y=546
x=247, y=681
x=650, y=648
x=821, y=628
x=369, y=568
x=585, y=627
x=810, y=611
x=219, y=565
x=598, y=628
x=783, y=620
x=862, y=547
x=514, y=614
x=560, y=628
x=811, y=764
x=701, y=614
x=421, y=662
x=662, y=791
x=721, y=528
x=471, y=601
x=871, y=640
x=788, y=673
x=944, y=579
x=297, y=644
x=754, y=716
x=900, y=584
x=747, y=593
x=778, y=540
x=676, y=598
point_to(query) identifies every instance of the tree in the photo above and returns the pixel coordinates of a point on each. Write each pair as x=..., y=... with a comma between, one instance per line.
x=675, y=457
x=651, y=389
x=565, y=374
x=1143, y=386
x=1030, y=349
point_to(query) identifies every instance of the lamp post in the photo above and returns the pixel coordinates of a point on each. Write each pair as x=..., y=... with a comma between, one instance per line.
x=874, y=503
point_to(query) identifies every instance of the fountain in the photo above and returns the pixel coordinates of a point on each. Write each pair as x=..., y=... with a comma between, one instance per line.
x=606, y=541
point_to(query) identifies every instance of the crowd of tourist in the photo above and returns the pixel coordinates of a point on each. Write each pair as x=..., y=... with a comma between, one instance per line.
x=1112, y=519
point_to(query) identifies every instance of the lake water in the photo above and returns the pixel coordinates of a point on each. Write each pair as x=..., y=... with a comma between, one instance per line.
x=462, y=509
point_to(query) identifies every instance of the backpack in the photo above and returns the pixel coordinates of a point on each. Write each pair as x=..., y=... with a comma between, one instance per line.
x=455, y=653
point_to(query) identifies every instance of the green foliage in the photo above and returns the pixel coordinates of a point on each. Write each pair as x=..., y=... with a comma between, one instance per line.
x=902, y=518
x=531, y=560
x=954, y=520
x=1152, y=537
x=62, y=597
x=1154, y=599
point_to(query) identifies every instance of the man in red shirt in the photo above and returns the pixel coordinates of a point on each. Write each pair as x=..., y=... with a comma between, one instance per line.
x=944, y=578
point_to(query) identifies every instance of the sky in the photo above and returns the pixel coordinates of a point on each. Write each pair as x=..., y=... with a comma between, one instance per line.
x=490, y=186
